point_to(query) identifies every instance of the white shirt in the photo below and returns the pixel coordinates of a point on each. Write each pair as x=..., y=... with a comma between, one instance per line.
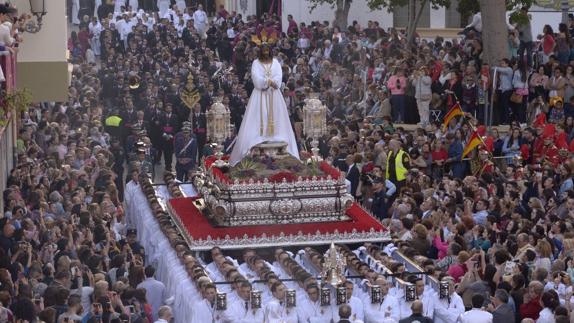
x=546, y=316
x=211, y=268
x=446, y=311
x=475, y=315
x=155, y=293
x=240, y=311
x=389, y=308
x=95, y=29
x=313, y=312
x=476, y=22
x=204, y=312
x=5, y=37
x=246, y=271
x=276, y=312
x=199, y=20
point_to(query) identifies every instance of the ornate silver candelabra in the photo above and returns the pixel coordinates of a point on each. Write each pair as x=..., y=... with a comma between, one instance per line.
x=314, y=124
x=218, y=129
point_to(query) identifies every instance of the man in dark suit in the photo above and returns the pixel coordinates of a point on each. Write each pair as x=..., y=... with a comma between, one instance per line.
x=417, y=316
x=501, y=311
x=354, y=174
x=170, y=125
x=345, y=312
x=199, y=125
x=207, y=97
x=129, y=115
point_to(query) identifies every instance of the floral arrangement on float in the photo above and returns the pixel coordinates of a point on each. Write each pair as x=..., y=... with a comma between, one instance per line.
x=274, y=170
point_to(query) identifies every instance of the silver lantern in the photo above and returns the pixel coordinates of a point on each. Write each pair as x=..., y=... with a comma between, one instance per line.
x=314, y=124
x=218, y=128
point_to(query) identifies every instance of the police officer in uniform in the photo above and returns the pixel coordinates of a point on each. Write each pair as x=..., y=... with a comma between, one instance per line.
x=185, y=147
x=398, y=164
x=145, y=165
x=113, y=124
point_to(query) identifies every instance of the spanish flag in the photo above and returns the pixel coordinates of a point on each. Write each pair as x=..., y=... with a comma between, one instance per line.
x=454, y=111
x=474, y=141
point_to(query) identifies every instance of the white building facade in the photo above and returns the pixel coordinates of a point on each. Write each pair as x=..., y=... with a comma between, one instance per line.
x=441, y=18
x=360, y=12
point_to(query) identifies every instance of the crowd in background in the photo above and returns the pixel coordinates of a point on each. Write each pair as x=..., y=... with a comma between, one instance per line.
x=498, y=224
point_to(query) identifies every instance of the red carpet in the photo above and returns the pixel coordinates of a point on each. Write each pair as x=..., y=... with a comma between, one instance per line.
x=198, y=227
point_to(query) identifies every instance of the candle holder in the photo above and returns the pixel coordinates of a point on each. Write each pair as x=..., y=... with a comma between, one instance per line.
x=255, y=299
x=218, y=129
x=376, y=294
x=291, y=298
x=325, y=296
x=341, y=295
x=410, y=292
x=444, y=289
x=221, y=301
x=314, y=124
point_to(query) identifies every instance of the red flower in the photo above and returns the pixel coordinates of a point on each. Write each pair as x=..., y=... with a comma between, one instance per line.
x=278, y=178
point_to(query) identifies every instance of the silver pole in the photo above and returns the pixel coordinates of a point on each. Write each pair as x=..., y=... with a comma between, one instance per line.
x=491, y=112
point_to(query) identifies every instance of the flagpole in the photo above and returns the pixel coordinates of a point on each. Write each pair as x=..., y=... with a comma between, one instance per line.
x=479, y=137
x=491, y=112
x=470, y=123
x=457, y=102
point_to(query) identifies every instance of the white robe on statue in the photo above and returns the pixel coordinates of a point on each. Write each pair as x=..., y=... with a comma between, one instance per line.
x=254, y=127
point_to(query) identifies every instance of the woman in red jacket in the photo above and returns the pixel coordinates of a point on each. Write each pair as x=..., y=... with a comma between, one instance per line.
x=531, y=307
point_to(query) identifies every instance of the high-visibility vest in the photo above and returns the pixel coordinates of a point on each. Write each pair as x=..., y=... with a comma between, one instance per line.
x=113, y=121
x=400, y=169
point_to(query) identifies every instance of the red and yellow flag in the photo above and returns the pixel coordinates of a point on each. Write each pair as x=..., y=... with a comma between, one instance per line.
x=456, y=110
x=474, y=141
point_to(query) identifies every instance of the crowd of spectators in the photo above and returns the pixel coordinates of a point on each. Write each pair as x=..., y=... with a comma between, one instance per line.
x=499, y=225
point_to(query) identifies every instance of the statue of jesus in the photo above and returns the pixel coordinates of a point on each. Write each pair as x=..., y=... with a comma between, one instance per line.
x=266, y=117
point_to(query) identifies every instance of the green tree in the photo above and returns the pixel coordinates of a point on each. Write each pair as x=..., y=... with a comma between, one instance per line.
x=341, y=7
x=494, y=28
x=416, y=7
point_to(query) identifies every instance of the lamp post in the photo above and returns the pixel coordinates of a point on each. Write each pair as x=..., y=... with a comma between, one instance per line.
x=38, y=9
x=314, y=124
x=218, y=128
